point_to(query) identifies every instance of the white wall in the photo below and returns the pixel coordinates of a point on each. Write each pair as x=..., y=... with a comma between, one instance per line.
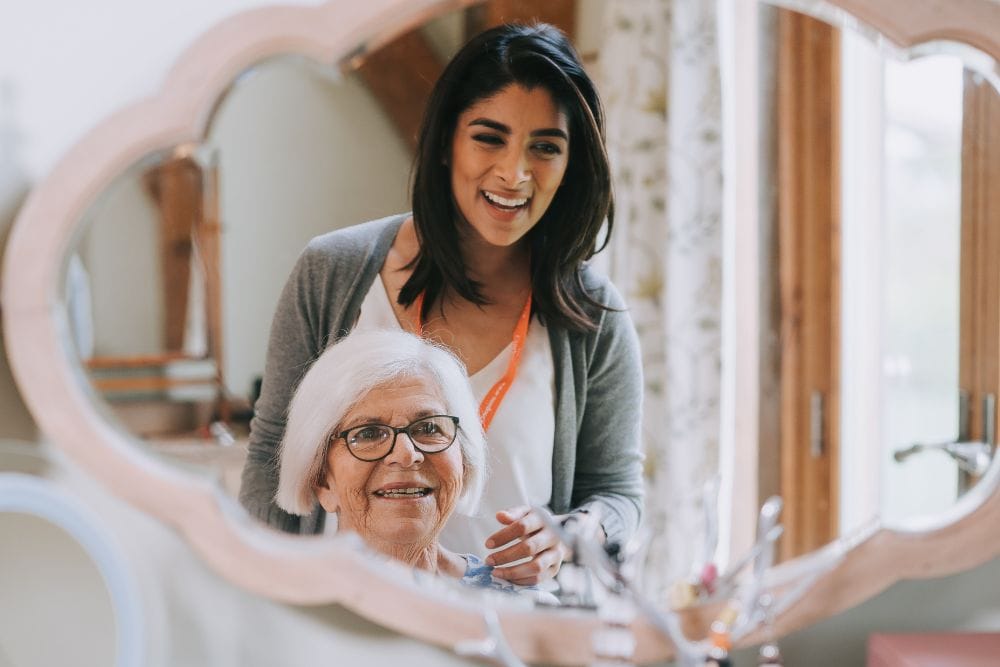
x=121, y=254
x=67, y=65
x=43, y=555
x=299, y=155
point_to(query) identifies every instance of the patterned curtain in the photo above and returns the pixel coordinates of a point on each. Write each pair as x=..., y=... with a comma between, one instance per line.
x=659, y=75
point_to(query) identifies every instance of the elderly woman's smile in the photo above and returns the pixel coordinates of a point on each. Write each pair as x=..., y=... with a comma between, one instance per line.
x=402, y=498
x=412, y=490
x=404, y=491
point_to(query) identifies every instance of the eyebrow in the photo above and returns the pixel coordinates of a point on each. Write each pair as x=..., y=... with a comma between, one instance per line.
x=500, y=127
x=364, y=420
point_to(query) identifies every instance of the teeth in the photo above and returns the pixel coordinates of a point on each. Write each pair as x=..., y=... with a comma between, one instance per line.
x=503, y=201
x=404, y=493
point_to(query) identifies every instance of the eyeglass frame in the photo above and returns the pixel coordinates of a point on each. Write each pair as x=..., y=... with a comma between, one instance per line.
x=396, y=430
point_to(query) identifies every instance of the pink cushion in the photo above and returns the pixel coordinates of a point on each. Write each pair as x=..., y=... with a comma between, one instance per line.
x=945, y=649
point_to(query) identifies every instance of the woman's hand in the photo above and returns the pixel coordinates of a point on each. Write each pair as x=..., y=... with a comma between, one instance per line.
x=531, y=539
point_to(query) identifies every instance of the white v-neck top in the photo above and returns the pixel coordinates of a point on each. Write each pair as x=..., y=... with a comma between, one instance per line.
x=520, y=438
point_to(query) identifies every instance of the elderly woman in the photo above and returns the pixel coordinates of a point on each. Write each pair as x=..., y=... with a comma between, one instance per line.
x=371, y=436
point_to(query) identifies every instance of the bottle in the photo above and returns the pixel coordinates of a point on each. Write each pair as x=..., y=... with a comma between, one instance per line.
x=718, y=655
x=769, y=655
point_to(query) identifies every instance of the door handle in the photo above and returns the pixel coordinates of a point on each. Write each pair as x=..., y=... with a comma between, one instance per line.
x=972, y=456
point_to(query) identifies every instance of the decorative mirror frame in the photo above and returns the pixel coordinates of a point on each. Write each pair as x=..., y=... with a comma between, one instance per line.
x=322, y=570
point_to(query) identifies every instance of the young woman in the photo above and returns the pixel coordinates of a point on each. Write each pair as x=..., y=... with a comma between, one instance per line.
x=511, y=188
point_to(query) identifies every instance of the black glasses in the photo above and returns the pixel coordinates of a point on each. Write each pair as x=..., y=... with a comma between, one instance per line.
x=374, y=442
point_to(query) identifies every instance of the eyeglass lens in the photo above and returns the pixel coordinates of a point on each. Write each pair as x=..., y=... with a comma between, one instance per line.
x=430, y=435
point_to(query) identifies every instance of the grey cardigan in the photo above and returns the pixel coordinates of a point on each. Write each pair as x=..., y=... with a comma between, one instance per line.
x=596, y=459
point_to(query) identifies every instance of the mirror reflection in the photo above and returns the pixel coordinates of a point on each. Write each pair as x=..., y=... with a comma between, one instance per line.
x=933, y=227
x=511, y=188
x=183, y=258
x=921, y=287
x=872, y=169
x=174, y=283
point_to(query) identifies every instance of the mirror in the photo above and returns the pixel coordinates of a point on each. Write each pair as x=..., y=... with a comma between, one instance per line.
x=128, y=160
x=271, y=174
x=870, y=178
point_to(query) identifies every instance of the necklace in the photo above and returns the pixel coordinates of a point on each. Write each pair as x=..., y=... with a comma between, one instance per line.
x=491, y=402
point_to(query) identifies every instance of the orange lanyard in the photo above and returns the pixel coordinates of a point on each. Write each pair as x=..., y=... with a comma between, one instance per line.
x=491, y=402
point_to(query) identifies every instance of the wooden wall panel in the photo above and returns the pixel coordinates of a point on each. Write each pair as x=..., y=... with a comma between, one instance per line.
x=979, y=359
x=808, y=243
x=401, y=76
x=560, y=13
x=177, y=188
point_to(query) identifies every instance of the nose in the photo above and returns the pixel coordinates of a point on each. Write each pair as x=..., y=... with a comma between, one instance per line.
x=404, y=453
x=513, y=167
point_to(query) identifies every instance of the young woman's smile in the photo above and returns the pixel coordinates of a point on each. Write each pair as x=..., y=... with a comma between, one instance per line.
x=508, y=157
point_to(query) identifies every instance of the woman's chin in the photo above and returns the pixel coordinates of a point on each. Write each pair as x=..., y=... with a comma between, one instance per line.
x=405, y=527
x=408, y=535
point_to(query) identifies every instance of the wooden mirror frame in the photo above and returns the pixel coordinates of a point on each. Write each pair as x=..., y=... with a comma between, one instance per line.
x=322, y=570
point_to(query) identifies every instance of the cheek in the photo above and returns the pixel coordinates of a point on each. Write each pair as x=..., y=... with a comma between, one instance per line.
x=451, y=483
x=351, y=490
x=552, y=175
x=469, y=164
x=355, y=510
x=462, y=185
x=457, y=163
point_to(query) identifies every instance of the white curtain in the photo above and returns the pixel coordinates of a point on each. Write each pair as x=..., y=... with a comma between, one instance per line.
x=659, y=76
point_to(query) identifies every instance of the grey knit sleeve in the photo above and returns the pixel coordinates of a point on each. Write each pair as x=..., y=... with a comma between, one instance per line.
x=608, y=476
x=295, y=341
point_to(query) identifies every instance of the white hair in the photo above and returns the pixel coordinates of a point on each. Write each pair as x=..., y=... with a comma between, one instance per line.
x=340, y=377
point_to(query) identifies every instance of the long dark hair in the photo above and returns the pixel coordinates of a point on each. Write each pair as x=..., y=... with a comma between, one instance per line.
x=566, y=235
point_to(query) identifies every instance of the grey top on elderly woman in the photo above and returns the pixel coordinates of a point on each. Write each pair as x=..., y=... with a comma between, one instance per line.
x=370, y=436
